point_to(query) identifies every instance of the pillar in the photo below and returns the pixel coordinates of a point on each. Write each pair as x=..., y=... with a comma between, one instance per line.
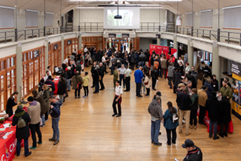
x=175, y=44
x=80, y=40
x=62, y=48
x=19, y=71
x=46, y=56
x=216, y=69
x=158, y=41
x=190, y=52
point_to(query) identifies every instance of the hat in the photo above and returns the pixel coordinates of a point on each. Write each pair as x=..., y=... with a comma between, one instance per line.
x=181, y=85
x=158, y=97
x=20, y=106
x=188, y=143
x=30, y=98
x=158, y=93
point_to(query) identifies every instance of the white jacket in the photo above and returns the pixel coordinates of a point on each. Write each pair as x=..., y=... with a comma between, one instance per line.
x=147, y=82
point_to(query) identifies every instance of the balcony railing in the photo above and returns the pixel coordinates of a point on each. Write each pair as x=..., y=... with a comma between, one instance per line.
x=222, y=36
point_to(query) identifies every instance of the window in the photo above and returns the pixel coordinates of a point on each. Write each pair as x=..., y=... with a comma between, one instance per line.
x=49, y=19
x=207, y=18
x=6, y=16
x=31, y=18
x=232, y=17
x=189, y=19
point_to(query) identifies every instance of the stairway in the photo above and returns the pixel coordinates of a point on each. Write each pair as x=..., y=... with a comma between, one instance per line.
x=69, y=27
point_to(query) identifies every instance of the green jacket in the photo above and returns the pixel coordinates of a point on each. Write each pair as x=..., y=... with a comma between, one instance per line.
x=78, y=68
x=226, y=92
x=115, y=75
x=193, y=98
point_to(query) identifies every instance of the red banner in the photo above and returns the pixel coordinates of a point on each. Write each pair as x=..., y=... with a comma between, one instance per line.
x=174, y=52
x=152, y=48
x=158, y=49
x=165, y=50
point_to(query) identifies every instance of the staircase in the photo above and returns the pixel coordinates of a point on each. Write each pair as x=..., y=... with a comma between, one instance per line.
x=69, y=27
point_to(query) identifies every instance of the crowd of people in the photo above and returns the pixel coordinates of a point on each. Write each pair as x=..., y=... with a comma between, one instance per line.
x=180, y=77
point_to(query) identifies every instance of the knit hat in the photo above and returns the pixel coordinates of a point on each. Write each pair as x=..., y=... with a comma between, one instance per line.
x=158, y=93
x=20, y=106
x=30, y=98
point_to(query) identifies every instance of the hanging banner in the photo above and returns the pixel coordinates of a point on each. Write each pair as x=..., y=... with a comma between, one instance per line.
x=165, y=50
x=174, y=52
x=158, y=49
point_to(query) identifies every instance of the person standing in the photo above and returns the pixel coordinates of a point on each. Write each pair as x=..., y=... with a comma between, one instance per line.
x=62, y=86
x=55, y=105
x=138, y=79
x=226, y=90
x=34, y=112
x=101, y=71
x=77, y=82
x=96, y=79
x=155, y=110
x=169, y=124
x=50, y=83
x=194, y=153
x=212, y=106
x=202, y=98
x=170, y=75
x=78, y=68
x=194, y=108
x=225, y=115
x=214, y=83
x=65, y=63
x=184, y=102
x=147, y=82
x=117, y=99
x=128, y=78
x=86, y=84
x=46, y=95
x=121, y=72
x=23, y=131
x=11, y=103
x=115, y=78
x=92, y=73
x=154, y=77
x=69, y=76
x=164, y=66
x=208, y=84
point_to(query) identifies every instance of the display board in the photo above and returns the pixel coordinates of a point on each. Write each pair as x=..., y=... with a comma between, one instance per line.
x=158, y=49
x=130, y=18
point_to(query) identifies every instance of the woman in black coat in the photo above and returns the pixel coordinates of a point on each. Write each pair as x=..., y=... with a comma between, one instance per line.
x=212, y=106
x=225, y=115
x=11, y=103
x=154, y=77
x=62, y=87
x=96, y=79
x=22, y=133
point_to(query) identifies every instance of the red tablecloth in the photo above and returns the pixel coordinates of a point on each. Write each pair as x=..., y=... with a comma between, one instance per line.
x=56, y=81
x=8, y=146
x=206, y=121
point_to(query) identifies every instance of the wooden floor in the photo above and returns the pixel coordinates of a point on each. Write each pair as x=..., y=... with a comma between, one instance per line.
x=88, y=132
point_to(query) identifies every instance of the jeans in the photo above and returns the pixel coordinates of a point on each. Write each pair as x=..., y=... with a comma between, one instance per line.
x=138, y=89
x=186, y=115
x=101, y=83
x=128, y=79
x=77, y=91
x=144, y=88
x=35, y=128
x=112, y=68
x=151, y=67
x=55, y=127
x=43, y=119
x=193, y=117
x=96, y=83
x=170, y=81
x=114, y=106
x=202, y=114
x=155, y=128
x=148, y=91
x=211, y=129
x=86, y=89
x=121, y=77
x=18, y=148
x=68, y=84
x=164, y=72
x=174, y=136
x=141, y=63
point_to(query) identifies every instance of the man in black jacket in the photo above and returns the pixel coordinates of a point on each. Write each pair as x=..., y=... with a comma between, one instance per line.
x=101, y=73
x=194, y=153
x=92, y=73
x=50, y=83
x=176, y=79
x=184, y=102
x=147, y=53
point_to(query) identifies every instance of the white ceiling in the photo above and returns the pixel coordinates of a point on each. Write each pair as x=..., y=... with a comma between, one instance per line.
x=54, y=5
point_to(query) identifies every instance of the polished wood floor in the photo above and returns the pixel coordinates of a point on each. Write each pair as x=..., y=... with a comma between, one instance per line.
x=88, y=132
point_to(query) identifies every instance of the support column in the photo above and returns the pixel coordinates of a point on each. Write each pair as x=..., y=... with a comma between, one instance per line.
x=175, y=44
x=19, y=71
x=158, y=41
x=80, y=40
x=62, y=48
x=190, y=52
x=216, y=61
x=46, y=55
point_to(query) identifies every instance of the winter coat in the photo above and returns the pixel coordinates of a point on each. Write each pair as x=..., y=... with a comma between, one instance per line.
x=170, y=73
x=224, y=111
x=154, y=74
x=192, y=79
x=96, y=75
x=168, y=120
x=21, y=133
x=164, y=64
x=147, y=82
x=43, y=105
x=55, y=111
x=194, y=155
x=50, y=82
x=86, y=81
x=115, y=78
x=226, y=91
x=183, y=101
x=212, y=106
x=61, y=87
x=202, y=97
x=10, y=103
x=210, y=88
x=177, y=78
x=75, y=80
x=215, y=85
x=194, y=105
x=46, y=95
x=155, y=110
x=78, y=68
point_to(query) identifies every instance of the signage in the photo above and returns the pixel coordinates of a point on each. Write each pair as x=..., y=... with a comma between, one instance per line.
x=158, y=49
x=112, y=35
x=55, y=46
x=125, y=35
x=69, y=42
x=119, y=35
x=235, y=68
x=35, y=53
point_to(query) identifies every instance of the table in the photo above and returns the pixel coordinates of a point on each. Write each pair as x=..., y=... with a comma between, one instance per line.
x=56, y=81
x=8, y=146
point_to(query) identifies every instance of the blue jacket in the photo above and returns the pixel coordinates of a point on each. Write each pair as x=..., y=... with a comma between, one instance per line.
x=210, y=88
x=56, y=109
x=138, y=76
x=168, y=121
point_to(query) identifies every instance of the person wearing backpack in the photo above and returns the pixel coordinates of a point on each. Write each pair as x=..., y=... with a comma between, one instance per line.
x=21, y=119
x=170, y=123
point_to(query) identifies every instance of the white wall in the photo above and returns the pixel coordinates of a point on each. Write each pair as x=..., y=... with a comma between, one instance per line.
x=145, y=43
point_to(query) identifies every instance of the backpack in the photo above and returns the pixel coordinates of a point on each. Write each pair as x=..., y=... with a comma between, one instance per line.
x=174, y=117
x=21, y=123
